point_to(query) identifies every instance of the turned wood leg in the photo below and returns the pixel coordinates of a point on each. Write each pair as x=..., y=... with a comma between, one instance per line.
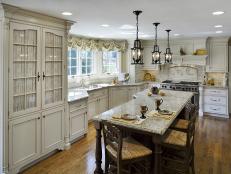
x=157, y=155
x=98, y=150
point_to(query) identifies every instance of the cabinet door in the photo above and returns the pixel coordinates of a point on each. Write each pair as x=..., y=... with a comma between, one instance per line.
x=24, y=140
x=118, y=96
x=132, y=91
x=78, y=126
x=92, y=108
x=52, y=129
x=53, y=68
x=218, y=57
x=103, y=104
x=24, y=68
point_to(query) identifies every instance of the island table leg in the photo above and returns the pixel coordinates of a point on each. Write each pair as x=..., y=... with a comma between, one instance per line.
x=157, y=155
x=98, y=150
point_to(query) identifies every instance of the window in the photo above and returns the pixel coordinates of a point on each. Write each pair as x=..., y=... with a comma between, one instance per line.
x=87, y=62
x=72, y=62
x=80, y=62
x=111, y=61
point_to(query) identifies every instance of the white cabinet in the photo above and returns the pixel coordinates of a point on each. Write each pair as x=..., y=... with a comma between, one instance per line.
x=117, y=96
x=218, y=55
x=132, y=91
x=78, y=118
x=52, y=129
x=52, y=68
x=32, y=133
x=35, y=60
x=215, y=102
x=97, y=102
x=103, y=104
x=30, y=68
x=122, y=94
x=92, y=108
x=24, y=69
x=24, y=140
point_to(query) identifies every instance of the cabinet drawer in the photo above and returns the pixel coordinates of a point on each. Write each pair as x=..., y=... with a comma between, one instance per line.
x=219, y=92
x=77, y=105
x=215, y=100
x=215, y=109
x=78, y=112
x=97, y=93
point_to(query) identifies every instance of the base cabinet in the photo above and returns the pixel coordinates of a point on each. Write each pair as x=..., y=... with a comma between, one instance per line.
x=97, y=102
x=52, y=130
x=34, y=135
x=215, y=102
x=78, y=119
x=117, y=96
x=24, y=141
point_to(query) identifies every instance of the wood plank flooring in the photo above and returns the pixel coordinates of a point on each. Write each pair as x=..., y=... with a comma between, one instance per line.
x=212, y=152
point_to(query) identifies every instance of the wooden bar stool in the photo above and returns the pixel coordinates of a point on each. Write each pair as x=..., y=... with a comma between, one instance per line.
x=178, y=151
x=124, y=155
x=182, y=124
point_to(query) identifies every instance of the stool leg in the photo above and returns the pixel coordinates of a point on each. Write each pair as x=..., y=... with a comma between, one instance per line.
x=106, y=162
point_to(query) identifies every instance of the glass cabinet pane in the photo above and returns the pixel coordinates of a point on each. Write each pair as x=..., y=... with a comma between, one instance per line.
x=24, y=69
x=53, y=68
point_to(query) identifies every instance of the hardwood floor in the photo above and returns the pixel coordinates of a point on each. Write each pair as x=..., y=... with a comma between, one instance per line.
x=212, y=152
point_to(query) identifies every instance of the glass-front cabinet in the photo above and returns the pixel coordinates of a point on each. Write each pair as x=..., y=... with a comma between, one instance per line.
x=36, y=73
x=53, y=68
x=24, y=76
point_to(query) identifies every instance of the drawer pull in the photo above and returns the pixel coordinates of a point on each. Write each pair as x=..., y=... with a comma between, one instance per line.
x=215, y=109
x=215, y=100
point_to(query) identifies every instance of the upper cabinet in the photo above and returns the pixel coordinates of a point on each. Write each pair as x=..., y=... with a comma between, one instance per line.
x=36, y=68
x=53, y=68
x=24, y=68
x=218, y=55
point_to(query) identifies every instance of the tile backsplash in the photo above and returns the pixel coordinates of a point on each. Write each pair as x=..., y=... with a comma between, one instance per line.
x=179, y=73
x=220, y=79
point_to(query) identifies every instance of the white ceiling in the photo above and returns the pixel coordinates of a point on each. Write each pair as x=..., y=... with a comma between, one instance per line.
x=189, y=18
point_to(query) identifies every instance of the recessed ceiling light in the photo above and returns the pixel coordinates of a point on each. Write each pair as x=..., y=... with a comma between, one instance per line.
x=218, y=26
x=66, y=13
x=216, y=13
x=176, y=34
x=127, y=27
x=105, y=25
x=219, y=32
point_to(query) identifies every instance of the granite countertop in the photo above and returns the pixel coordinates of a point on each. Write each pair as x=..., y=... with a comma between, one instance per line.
x=76, y=94
x=173, y=101
x=82, y=92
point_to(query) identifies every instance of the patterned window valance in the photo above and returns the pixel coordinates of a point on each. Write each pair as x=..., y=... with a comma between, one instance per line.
x=94, y=44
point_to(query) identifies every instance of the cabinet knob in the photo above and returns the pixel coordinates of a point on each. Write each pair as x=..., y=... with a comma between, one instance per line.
x=38, y=76
x=38, y=118
x=44, y=116
x=44, y=75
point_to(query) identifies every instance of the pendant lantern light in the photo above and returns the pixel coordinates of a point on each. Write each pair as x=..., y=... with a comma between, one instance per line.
x=168, y=53
x=137, y=50
x=156, y=51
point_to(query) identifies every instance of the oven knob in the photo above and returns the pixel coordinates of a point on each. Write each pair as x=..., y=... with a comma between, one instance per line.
x=171, y=87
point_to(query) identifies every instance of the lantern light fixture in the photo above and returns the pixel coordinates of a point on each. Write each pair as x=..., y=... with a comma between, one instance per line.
x=168, y=53
x=156, y=51
x=137, y=50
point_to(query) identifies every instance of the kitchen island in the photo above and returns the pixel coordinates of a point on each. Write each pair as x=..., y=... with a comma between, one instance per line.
x=173, y=101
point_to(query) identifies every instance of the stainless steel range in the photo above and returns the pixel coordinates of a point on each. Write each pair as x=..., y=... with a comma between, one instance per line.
x=183, y=86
